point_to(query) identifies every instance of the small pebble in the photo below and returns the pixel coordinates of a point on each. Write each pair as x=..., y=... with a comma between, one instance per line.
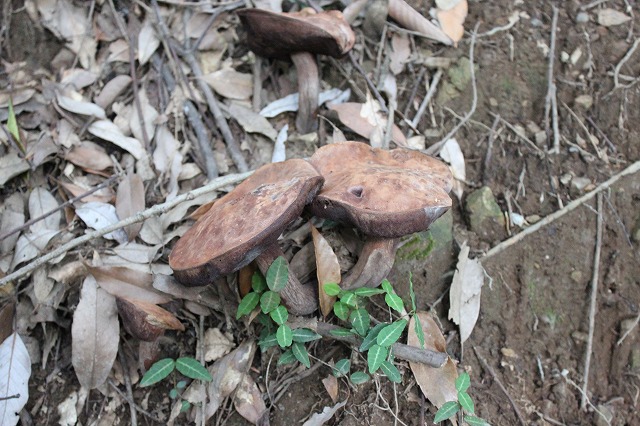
x=535, y=22
x=582, y=18
x=584, y=101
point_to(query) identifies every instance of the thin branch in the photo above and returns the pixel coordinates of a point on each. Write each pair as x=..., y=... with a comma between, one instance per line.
x=551, y=100
x=432, y=91
x=156, y=210
x=592, y=305
x=634, y=168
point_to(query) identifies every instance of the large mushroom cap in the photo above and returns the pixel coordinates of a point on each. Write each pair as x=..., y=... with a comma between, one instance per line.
x=385, y=194
x=241, y=225
x=278, y=35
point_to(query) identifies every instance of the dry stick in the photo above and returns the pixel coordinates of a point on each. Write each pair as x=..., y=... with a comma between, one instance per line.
x=551, y=102
x=487, y=156
x=400, y=350
x=432, y=91
x=517, y=133
x=625, y=58
x=138, y=217
x=435, y=148
x=133, y=403
x=592, y=305
x=372, y=86
x=60, y=207
x=634, y=168
x=127, y=381
x=488, y=368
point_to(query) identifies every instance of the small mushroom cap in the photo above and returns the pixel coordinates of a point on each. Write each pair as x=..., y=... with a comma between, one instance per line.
x=383, y=193
x=242, y=224
x=278, y=35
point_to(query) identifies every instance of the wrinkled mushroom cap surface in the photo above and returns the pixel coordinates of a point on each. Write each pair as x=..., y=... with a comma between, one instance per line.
x=240, y=225
x=383, y=193
x=278, y=35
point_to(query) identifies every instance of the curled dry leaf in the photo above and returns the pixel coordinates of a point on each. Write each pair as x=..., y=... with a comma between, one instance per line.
x=452, y=19
x=328, y=269
x=105, y=129
x=248, y=401
x=79, y=187
x=465, y=291
x=81, y=107
x=11, y=165
x=318, y=419
x=252, y=122
x=331, y=385
x=128, y=284
x=230, y=83
x=112, y=90
x=216, y=344
x=411, y=19
x=365, y=118
x=452, y=154
x=95, y=334
x=144, y=320
x=129, y=201
x=609, y=17
x=40, y=202
x=437, y=384
x=12, y=217
x=90, y=156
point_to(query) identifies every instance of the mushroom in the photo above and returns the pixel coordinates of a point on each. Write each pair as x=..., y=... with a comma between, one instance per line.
x=384, y=194
x=299, y=36
x=246, y=223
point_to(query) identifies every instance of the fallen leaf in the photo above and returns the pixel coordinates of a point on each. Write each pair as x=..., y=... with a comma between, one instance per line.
x=31, y=244
x=248, y=401
x=437, y=384
x=152, y=231
x=128, y=284
x=104, y=195
x=411, y=19
x=6, y=320
x=146, y=321
x=609, y=17
x=40, y=202
x=451, y=20
x=95, y=334
x=15, y=371
x=331, y=385
x=216, y=344
x=78, y=78
x=137, y=253
x=464, y=294
x=318, y=419
x=230, y=83
x=80, y=107
x=168, y=159
x=130, y=201
x=148, y=41
x=290, y=103
x=452, y=154
x=12, y=218
x=252, y=122
x=400, y=52
x=365, y=118
x=89, y=155
x=149, y=114
x=98, y=215
x=11, y=165
x=328, y=269
x=112, y=90
x=107, y=130
x=279, y=149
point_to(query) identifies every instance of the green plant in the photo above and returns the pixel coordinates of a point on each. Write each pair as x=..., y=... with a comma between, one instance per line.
x=464, y=403
x=377, y=340
x=188, y=366
x=273, y=315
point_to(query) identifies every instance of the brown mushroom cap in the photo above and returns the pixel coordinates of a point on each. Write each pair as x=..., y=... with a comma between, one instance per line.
x=278, y=35
x=383, y=193
x=243, y=223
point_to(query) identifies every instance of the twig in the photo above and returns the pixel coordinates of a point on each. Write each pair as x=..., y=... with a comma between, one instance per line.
x=60, y=207
x=132, y=403
x=625, y=58
x=634, y=168
x=626, y=333
x=423, y=105
x=592, y=305
x=551, y=100
x=400, y=350
x=435, y=148
x=257, y=84
x=156, y=210
x=372, y=86
x=127, y=380
x=584, y=128
x=487, y=157
x=519, y=135
x=489, y=369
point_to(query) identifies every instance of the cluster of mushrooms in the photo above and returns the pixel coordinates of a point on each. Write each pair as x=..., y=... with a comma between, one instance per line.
x=384, y=194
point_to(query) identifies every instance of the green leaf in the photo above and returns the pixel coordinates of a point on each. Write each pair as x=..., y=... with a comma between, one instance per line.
x=332, y=289
x=158, y=371
x=463, y=381
x=192, y=369
x=284, y=336
x=267, y=342
x=278, y=274
x=181, y=384
x=386, y=286
x=466, y=402
x=349, y=298
x=412, y=294
x=375, y=357
x=304, y=335
x=359, y=377
x=447, y=410
x=173, y=393
x=286, y=358
x=341, y=310
x=391, y=372
x=258, y=282
x=300, y=352
x=417, y=327
x=391, y=333
x=367, y=292
x=279, y=315
x=342, y=367
x=341, y=332
x=394, y=302
x=269, y=301
x=12, y=125
x=247, y=304
x=360, y=321
x=476, y=421
x=370, y=340
x=184, y=405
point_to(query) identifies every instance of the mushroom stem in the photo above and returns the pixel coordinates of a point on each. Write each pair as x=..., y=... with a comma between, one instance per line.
x=374, y=264
x=299, y=299
x=308, y=90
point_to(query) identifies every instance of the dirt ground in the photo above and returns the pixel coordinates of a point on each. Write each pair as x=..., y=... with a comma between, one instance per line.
x=534, y=319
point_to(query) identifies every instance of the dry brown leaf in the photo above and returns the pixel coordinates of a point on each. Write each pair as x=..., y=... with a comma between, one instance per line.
x=148, y=41
x=128, y=284
x=252, y=122
x=89, y=155
x=411, y=19
x=609, y=17
x=12, y=217
x=107, y=130
x=168, y=159
x=248, y=401
x=78, y=78
x=400, y=52
x=438, y=384
x=216, y=344
x=112, y=90
x=230, y=83
x=245, y=278
x=150, y=116
x=145, y=320
x=137, y=253
x=6, y=320
x=328, y=269
x=11, y=165
x=40, y=202
x=81, y=107
x=95, y=334
x=364, y=119
x=452, y=20
x=103, y=195
x=331, y=385
x=130, y=201
x=464, y=294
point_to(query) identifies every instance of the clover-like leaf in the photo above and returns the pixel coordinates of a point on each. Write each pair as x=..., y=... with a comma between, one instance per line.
x=269, y=301
x=284, y=336
x=304, y=335
x=300, y=352
x=375, y=357
x=342, y=367
x=391, y=371
x=391, y=333
x=278, y=274
x=359, y=377
x=247, y=304
x=360, y=321
x=332, y=289
x=447, y=410
x=341, y=310
x=279, y=315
